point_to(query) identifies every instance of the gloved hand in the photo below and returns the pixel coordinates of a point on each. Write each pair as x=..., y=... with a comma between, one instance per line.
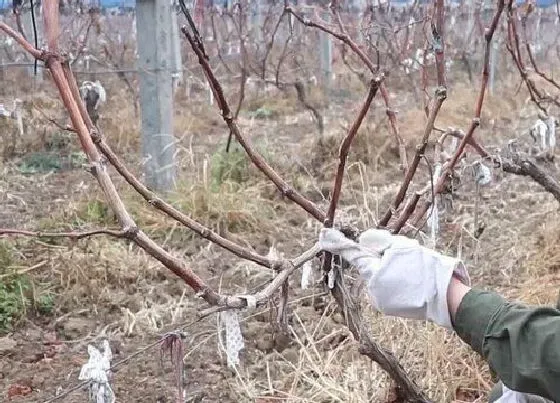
x=403, y=278
x=511, y=396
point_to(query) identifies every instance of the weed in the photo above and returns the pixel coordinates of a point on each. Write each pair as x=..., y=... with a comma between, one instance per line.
x=94, y=211
x=40, y=162
x=13, y=302
x=44, y=303
x=230, y=166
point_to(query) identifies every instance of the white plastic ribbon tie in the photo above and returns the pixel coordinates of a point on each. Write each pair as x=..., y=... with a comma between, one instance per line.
x=95, y=371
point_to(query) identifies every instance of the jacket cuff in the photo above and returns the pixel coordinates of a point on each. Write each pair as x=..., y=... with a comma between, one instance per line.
x=474, y=314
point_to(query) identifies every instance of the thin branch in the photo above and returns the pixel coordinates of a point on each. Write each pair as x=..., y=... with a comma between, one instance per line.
x=440, y=96
x=67, y=88
x=345, y=148
x=513, y=47
x=71, y=235
x=525, y=167
x=36, y=53
x=480, y=100
x=338, y=35
x=406, y=389
x=261, y=297
x=532, y=58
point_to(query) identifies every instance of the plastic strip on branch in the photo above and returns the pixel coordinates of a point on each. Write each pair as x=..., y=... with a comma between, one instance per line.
x=440, y=96
x=196, y=44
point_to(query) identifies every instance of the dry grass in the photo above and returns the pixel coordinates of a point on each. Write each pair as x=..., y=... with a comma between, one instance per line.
x=124, y=294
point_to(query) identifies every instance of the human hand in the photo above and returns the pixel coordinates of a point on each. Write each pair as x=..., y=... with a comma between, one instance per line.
x=403, y=278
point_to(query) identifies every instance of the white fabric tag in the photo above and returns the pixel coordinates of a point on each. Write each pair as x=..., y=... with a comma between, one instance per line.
x=306, y=273
x=95, y=371
x=234, y=338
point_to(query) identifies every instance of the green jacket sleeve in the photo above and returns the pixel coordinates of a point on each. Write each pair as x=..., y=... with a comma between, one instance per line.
x=520, y=343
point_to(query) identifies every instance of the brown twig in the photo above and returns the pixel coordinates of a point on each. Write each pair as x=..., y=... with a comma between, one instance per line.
x=347, y=40
x=342, y=36
x=532, y=58
x=71, y=235
x=37, y=54
x=78, y=116
x=302, y=98
x=345, y=148
x=515, y=164
x=441, y=94
x=512, y=45
x=406, y=389
x=244, y=67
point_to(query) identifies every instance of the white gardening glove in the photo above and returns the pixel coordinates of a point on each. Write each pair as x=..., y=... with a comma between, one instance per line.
x=403, y=278
x=511, y=396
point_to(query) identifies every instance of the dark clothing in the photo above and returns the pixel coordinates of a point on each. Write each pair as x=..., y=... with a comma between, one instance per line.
x=520, y=343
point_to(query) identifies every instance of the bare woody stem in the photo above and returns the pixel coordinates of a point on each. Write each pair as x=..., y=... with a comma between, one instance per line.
x=344, y=37
x=514, y=49
x=37, y=54
x=353, y=319
x=342, y=156
x=261, y=297
x=254, y=156
x=345, y=148
x=71, y=235
x=441, y=94
x=532, y=58
x=488, y=35
x=82, y=124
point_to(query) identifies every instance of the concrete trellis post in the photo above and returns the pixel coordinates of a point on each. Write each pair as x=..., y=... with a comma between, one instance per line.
x=176, y=51
x=256, y=20
x=326, y=53
x=494, y=52
x=153, y=19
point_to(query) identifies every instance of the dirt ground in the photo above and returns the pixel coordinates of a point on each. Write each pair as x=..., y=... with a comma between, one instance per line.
x=82, y=292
